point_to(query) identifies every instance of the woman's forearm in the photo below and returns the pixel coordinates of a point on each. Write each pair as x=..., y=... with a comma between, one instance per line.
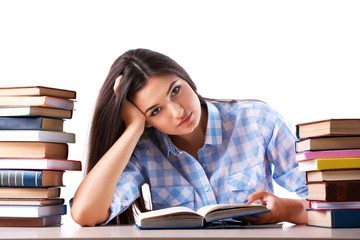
x=296, y=210
x=94, y=196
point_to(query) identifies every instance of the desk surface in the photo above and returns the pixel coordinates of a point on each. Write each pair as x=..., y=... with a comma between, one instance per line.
x=288, y=231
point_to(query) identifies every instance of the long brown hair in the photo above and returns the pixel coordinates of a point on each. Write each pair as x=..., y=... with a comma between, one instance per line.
x=135, y=66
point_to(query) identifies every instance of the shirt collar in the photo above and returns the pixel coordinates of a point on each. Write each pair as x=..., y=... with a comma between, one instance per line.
x=213, y=131
x=214, y=126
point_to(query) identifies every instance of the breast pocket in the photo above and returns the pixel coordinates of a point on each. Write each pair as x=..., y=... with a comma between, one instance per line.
x=241, y=184
x=172, y=196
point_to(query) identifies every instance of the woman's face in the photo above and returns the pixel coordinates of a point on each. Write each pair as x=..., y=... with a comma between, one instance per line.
x=169, y=104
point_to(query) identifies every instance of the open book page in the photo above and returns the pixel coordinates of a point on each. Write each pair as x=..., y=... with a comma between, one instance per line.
x=222, y=211
x=173, y=217
x=167, y=211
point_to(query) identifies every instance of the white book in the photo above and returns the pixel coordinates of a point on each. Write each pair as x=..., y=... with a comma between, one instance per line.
x=40, y=163
x=32, y=211
x=183, y=217
x=36, y=135
x=44, y=101
x=318, y=205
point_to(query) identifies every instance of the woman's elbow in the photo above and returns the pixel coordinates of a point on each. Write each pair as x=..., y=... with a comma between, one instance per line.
x=85, y=217
x=81, y=218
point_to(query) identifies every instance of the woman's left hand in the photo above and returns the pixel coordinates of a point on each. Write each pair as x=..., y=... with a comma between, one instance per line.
x=281, y=209
x=272, y=202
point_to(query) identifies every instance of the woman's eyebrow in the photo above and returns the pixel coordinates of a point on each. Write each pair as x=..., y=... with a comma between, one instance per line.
x=170, y=87
x=153, y=106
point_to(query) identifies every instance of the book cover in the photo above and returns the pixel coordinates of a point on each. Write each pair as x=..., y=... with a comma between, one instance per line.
x=12, y=192
x=49, y=221
x=31, y=123
x=32, y=211
x=183, y=217
x=33, y=150
x=40, y=101
x=20, y=111
x=329, y=164
x=328, y=127
x=36, y=135
x=31, y=201
x=319, y=205
x=40, y=163
x=333, y=175
x=338, y=218
x=334, y=191
x=38, y=91
x=310, y=155
x=328, y=143
x=30, y=178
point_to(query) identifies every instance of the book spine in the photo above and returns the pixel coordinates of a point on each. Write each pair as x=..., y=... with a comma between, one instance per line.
x=297, y=131
x=345, y=218
x=343, y=191
x=18, y=178
x=10, y=123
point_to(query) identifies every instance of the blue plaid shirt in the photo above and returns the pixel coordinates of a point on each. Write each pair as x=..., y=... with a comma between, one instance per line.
x=247, y=145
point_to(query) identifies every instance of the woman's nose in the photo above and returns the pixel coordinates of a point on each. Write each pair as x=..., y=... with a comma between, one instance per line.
x=176, y=110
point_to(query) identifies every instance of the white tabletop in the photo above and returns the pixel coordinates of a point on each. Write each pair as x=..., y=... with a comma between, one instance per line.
x=73, y=231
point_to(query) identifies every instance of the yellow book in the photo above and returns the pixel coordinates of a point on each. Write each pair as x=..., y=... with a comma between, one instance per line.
x=329, y=164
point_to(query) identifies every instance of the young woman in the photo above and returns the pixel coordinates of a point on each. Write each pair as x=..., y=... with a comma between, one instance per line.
x=150, y=126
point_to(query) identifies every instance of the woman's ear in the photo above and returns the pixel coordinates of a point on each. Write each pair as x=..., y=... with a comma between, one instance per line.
x=147, y=125
x=117, y=83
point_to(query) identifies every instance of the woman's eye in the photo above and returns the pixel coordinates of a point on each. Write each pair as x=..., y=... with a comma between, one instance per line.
x=155, y=111
x=175, y=91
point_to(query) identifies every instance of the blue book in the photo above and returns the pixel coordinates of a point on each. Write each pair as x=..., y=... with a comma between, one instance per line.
x=31, y=123
x=334, y=218
x=30, y=178
x=32, y=211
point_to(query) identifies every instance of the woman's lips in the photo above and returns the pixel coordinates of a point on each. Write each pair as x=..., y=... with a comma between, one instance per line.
x=185, y=120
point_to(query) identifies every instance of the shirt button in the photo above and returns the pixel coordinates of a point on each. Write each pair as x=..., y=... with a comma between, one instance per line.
x=207, y=189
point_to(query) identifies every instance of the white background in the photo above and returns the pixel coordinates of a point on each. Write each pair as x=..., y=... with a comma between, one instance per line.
x=301, y=57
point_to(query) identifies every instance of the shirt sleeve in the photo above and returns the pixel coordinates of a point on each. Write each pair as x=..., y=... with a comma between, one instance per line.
x=127, y=188
x=280, y=152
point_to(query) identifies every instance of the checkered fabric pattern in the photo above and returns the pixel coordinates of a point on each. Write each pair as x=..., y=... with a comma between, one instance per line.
x=247, y=145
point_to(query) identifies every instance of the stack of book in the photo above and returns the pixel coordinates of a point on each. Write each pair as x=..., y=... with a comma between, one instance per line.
x=33, y=154
x=329, y=152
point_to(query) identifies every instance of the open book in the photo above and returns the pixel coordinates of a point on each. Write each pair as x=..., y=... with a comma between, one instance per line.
x=183, y=217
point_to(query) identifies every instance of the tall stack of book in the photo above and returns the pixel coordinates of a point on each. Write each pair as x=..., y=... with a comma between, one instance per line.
x=329, y=152
x=33, y=154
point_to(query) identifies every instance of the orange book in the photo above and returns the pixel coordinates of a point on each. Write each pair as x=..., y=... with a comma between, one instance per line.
x=328, y=127
x=37, y=91
x=30, y=222
x=19, y=192
x=33, y=150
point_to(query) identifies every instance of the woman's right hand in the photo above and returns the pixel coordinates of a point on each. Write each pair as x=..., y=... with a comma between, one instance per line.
x=132, y=115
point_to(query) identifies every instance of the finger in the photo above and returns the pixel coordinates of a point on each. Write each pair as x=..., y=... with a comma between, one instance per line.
x=117, y=83
x=258, y=195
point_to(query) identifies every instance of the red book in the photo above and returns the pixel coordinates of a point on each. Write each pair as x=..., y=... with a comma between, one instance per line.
x=334, y=191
